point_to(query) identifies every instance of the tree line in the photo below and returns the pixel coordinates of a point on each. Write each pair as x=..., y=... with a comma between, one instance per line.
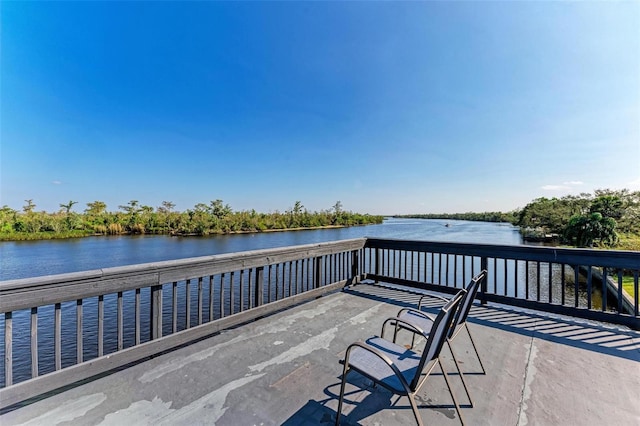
x=216, y=217
x=585, y=220
x=478, y=217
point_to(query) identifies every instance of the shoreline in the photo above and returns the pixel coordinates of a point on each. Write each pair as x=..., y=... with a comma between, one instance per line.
x=40, y=237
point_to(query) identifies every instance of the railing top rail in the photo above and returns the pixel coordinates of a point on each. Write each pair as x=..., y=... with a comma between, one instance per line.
x=610, y=258
x=50, y=289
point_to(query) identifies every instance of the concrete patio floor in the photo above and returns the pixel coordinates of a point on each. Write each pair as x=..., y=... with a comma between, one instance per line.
x=283, y=370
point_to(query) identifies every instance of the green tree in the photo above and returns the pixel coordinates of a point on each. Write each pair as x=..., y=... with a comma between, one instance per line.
x=609, y=206
x=67, y=211
x=585, y=230
x=132, y=211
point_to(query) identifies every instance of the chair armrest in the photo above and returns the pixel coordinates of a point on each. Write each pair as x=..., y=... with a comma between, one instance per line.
x=380, y=355
x=444, y=299
x=405, y=324
x=433, y=296
x=416, y=312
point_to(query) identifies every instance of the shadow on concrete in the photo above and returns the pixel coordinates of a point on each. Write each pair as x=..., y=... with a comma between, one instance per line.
x=361, y=401
x=603, y=338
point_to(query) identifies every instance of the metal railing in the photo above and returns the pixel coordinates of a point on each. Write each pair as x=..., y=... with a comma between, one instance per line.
x=60, y=329
x=65, y=328
x=578, y=282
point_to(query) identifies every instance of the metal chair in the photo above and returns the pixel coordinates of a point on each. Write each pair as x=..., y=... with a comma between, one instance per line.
x=419, y=319
x=398, y=369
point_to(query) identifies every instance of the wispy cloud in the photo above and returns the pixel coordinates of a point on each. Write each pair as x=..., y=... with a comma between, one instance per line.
x=555, y=187
x=56, y=182
x=566, y=186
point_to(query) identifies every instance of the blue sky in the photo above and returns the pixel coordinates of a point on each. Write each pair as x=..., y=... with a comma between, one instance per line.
x=388, y=107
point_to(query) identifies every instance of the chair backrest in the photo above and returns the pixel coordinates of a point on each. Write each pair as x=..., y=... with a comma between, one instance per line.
x=467, y=300
x=437, y=335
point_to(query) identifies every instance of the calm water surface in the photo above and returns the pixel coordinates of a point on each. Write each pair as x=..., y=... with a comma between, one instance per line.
x=34, y=258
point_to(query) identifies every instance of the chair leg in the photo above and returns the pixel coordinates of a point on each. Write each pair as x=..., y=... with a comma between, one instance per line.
x=464, y=382
x=414, y=407
x=474, y=348
x=342, y=386
x=453, y=397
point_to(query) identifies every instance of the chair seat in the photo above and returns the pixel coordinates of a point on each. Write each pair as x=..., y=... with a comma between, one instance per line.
x=377, y=370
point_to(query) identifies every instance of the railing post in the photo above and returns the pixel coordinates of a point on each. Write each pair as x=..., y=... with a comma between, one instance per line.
x=317, y=272
x=258, y=295
x=484, y=265
x=156, y=312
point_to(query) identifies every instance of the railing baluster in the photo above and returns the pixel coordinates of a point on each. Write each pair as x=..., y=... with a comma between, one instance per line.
x=174, y=307
x=259, y=286
x=620, y=290
x=34, y=342
x=155, y=312
x=290, y=278
x=120, y=322
x=464, y=270
x=433, y=267
x=526, y=279
x=317, y=272
x=538, y=281
x=8, y=348
x=563, y=283
x=79, y=355
x=333, y=263
x=137, y=316
x=516, y=277
x=249, y=290
x=100, y=325
x=495, y=275
x=550, y=300
x=269, y=299
x=241, y=294
x=604, y=289
x=210, y=298
x=277, y=281
x=506, y=275
x=576, y=283
x=57, y=335
x=589, y=286
x=231, y=275
x=455, y=270
x=221, y=295
x=636, y=291
x=406, y=261
x=447, y=270
x=199, y=300
x=327, y=263
x=187, y=295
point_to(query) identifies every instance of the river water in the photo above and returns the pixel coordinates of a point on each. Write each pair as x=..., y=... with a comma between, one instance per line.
x=25, y=259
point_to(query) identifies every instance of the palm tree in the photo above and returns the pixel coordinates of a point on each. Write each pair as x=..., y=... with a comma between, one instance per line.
x=67, y=209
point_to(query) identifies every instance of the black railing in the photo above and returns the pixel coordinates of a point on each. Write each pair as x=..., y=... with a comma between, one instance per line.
x=64, y=328
x=577, y=282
